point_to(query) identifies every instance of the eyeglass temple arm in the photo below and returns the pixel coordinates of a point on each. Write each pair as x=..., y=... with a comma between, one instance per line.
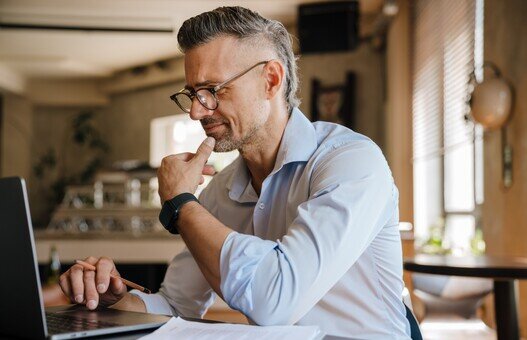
x=219, y=86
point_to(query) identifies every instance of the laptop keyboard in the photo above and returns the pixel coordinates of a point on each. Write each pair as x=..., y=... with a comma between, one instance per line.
x=63, y=323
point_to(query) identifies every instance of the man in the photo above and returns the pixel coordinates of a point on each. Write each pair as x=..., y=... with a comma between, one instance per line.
x=301, y=229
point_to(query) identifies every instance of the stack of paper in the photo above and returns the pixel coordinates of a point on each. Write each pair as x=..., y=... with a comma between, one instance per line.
x=177, y=328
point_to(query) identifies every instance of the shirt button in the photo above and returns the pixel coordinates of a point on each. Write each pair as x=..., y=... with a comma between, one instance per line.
x=262, y=206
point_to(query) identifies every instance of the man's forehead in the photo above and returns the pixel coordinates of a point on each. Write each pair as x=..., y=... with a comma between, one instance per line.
x=207, y=63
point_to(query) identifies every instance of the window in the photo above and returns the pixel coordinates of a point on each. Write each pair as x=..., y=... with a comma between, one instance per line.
x=448, y=165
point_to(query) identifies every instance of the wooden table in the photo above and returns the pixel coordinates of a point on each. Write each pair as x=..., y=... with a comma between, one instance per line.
x=503, y=270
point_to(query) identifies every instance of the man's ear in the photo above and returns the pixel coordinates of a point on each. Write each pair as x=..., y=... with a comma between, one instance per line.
x=274, y=76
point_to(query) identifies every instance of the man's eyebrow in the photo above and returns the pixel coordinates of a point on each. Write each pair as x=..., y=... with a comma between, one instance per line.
x=201, y=84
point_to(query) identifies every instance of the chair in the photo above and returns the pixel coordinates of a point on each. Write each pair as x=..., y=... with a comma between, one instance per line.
x=449, y=294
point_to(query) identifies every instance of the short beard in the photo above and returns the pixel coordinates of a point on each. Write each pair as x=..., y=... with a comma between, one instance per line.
x=227, y=142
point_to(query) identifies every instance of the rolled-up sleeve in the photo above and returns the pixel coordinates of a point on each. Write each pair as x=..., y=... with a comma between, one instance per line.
x=352, y=196
x=184, y=291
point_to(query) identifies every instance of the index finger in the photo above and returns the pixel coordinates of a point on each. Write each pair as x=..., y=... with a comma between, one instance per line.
x=204, y=151
x=184, y=156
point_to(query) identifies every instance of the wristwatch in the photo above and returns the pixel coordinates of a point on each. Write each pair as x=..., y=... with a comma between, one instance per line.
x=170, y=211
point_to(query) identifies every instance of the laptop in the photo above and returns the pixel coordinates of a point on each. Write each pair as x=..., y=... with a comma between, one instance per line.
x=22, y=312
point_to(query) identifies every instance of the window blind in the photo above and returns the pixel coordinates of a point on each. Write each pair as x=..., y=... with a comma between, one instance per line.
x=443, y=58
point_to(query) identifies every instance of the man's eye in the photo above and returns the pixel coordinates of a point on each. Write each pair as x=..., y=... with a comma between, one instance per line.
x=202, y=96
x=222, y=90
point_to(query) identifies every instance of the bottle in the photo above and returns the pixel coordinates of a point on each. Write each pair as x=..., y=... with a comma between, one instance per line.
x=53, y=273
x=477, y=243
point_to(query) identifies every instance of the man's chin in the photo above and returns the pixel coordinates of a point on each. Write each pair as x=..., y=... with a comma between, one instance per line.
x=224, y=145
x=224, y=141
x=217, y=137
x=223, y=148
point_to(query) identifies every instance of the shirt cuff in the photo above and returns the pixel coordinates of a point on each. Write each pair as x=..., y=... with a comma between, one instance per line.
x=155, y=303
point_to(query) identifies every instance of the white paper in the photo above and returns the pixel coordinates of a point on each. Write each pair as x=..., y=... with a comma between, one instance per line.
x=177, y=328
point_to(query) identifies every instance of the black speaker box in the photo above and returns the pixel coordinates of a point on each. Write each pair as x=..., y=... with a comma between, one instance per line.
x=328, y=26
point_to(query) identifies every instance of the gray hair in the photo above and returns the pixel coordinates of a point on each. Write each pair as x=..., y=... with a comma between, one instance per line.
x=243, y=23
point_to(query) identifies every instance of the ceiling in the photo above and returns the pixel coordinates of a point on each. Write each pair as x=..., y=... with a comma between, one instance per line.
x=51, y=53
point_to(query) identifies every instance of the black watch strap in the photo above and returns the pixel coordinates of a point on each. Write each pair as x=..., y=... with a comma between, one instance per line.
x=170, y=211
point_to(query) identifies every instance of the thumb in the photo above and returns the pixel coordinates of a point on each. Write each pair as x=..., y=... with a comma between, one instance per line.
x=204, y=151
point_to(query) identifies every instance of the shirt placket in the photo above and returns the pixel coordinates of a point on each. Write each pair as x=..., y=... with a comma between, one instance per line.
x=261, y=211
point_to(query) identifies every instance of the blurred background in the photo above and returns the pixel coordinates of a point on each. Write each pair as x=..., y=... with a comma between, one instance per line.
x=85, y=118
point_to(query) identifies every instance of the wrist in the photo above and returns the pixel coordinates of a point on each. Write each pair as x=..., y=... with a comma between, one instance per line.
x=170, y=211
x=130, y=302
x=177, y=193
x=186, y=213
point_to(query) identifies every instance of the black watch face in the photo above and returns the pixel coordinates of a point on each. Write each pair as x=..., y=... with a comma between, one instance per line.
x=167, y=217
x=172, y=228
x=169, y=212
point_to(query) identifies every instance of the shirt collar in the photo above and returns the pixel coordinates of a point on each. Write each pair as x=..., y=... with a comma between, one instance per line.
x=299, y=141
x=298, y=144
x=239, y=185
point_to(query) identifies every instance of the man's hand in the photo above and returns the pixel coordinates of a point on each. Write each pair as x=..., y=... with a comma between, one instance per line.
x=93, y=288
x=184, y=172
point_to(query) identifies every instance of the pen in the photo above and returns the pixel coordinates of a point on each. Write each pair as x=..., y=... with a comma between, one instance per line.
x=125, y=281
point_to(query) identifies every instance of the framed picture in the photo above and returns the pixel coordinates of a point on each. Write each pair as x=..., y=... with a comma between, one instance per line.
x=334, y=103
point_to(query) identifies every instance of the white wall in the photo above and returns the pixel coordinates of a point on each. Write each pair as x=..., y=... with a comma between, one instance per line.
x=16, y=136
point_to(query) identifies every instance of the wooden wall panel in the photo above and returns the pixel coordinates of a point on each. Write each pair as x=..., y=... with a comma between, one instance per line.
x=505, y=211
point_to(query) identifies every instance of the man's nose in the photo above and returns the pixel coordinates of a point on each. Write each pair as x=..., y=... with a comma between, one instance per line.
x=198, y=111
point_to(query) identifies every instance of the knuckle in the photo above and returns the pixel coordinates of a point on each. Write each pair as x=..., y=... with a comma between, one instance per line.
x=63, y=279
x=105, y=260
x=76, y=269
x=166, y=160
x=91, y=295
x=76, y=288
x=88, y=276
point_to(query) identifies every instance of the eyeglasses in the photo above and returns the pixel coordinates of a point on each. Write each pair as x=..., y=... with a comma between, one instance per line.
x=206, y=95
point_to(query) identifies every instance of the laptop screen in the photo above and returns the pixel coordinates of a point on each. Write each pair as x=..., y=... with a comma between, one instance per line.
x=21, y=307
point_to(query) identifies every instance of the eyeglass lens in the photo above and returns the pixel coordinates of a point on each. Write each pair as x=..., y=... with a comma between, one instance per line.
x=205, y=97
x=184, y=101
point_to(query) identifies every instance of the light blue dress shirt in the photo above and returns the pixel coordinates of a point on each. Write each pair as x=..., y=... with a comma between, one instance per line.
x=319, y=246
